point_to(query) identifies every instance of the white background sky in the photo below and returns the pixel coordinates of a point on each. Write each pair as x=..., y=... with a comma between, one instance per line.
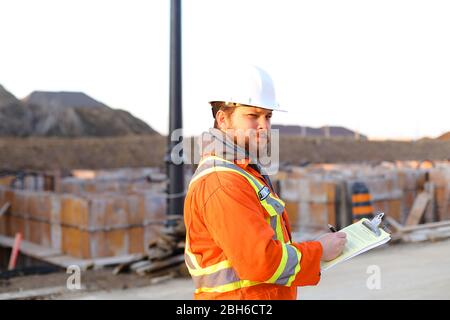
x=380, y=67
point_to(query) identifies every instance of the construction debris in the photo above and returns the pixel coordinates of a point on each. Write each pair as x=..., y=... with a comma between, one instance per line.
x=432, y=231
x=165, y=254
x=418, y=209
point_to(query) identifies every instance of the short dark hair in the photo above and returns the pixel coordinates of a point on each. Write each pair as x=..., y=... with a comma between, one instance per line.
x=221, y=106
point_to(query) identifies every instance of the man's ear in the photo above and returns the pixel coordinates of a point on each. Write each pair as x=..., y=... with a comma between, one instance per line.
x=221, y=119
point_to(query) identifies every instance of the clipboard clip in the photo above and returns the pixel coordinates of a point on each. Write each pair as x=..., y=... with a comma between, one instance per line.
x=374, y=224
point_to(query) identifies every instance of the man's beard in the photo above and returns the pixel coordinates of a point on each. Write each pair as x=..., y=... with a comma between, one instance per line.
x=256, y=144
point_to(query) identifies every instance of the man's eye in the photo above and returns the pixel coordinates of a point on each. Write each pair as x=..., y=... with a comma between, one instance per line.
x=252, y=115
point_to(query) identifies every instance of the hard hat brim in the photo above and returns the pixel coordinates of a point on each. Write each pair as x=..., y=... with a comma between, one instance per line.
x=235, y=104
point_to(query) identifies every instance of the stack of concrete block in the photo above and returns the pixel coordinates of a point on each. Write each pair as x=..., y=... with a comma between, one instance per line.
x=33, y=214
x=122, y=180
x=34, y=180
x=79, y=186
x=86, y=226
x=440, y=177
x=321, y=193
x=125, y=173
x=411, y=182
x=309, y=202
x=6, y=180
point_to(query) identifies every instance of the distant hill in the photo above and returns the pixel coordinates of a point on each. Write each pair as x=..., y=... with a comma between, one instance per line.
x=15, y=118
x=64, y=114
x=6, y=97
x=62, y=99
x=331, y=131
x=445, y=136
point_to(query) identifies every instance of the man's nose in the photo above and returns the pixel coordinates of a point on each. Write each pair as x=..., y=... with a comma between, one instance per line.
x=263, y=123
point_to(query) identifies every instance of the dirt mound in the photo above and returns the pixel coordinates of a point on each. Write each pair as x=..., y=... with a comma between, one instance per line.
x=6, y=97
x=63, y=99
x=64, y=114
x=331, y=131
x=444, y=137
x=15, y=118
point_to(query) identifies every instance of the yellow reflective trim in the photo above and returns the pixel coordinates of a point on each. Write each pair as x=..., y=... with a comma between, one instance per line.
x=220, y=159
x=211, y=269
x=192, y=259
x=213, y=158
x=269, y=208
x=297, y=268
x=230, y=162
x=281, y=266
x=229, y=287
x=280, y=234
x=214, y=169
x=264, y=203
x=211, y=170
x=207, y=171
x=256, y=188
x=203, y=161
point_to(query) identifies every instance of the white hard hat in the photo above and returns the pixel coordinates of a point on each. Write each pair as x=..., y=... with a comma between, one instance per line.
x=245, y=85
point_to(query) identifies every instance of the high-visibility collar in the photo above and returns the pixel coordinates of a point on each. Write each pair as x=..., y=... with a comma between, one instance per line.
x=221, y=277
x=269, y=201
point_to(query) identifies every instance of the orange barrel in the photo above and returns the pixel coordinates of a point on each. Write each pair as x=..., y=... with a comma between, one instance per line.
x=361, y=202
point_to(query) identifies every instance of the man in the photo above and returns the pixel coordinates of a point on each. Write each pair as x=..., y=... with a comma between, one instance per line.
x=238, y=238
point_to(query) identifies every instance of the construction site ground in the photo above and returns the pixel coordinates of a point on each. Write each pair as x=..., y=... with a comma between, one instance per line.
x=407, y=271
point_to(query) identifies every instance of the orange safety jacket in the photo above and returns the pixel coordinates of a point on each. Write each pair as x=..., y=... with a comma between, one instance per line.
x=238, y=238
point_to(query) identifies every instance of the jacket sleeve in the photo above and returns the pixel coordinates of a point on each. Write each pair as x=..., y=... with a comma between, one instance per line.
x=235, y=220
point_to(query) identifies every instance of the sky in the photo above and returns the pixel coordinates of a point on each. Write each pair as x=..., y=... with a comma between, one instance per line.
x=378, y=67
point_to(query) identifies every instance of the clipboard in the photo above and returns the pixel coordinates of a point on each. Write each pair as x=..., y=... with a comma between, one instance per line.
x=362, y=236
x=374, y=224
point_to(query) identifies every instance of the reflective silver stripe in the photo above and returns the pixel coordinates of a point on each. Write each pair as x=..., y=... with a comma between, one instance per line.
x=291, y=264
x=210, y=163
x=279, y=208
x=273, y=224
x=188, y=261
x=218, y=278
x=224, y=164
x=206, y=165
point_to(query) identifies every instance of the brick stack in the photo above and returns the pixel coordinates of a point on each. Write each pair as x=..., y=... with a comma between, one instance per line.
x=309, y=203
x=411, y=182
x=87, y=226
x=440, y=177
x=321, y=194
x=80, y=186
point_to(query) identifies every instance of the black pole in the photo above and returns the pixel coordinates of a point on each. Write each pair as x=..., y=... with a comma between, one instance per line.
x=175, y=172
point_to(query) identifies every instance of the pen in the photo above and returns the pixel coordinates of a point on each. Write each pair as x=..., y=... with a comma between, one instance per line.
x=332, y=229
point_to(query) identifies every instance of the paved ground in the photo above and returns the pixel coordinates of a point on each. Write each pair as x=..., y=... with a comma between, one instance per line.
x=407, y=271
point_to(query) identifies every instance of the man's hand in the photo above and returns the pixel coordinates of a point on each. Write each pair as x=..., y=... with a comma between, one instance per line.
x=332, y=244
